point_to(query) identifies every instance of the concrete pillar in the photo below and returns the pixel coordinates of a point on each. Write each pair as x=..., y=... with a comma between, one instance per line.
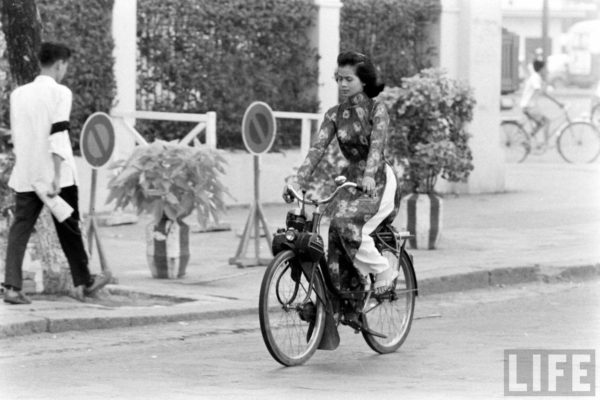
x=326, y=37
x=469, y=38
x=124, y=30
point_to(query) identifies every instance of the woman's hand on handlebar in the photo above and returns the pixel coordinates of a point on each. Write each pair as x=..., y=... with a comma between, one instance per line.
x=368, y=186
x=290, y=182
x=288, y=197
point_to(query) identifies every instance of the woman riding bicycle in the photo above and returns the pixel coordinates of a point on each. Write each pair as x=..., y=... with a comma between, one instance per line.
x=360, y=125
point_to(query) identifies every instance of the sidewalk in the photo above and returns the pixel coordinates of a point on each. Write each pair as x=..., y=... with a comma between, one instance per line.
x=545, y=227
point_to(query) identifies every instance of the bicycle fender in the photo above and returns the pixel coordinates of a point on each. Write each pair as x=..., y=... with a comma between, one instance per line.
x=331, y=336
x=412, y=269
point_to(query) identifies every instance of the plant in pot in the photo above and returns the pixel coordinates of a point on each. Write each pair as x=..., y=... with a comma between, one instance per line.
x=170, y=181
x=428, y=139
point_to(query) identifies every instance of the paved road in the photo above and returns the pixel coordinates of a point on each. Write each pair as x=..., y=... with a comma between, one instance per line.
x=454, y=351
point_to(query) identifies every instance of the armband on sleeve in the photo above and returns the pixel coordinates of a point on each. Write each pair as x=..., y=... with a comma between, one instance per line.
x=60, y=126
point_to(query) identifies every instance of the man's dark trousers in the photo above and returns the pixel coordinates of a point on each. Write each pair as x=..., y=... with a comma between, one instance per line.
x=27, y=210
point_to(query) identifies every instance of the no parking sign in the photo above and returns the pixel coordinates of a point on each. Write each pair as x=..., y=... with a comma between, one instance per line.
x=97, y=141
x=258, y=134
x=258, y=128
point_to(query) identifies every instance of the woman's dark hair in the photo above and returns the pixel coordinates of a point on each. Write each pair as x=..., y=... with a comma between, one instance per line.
x=365, y=70
x=52, y=52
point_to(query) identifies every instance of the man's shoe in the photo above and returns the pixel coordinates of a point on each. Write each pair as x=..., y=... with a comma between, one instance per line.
x=77, y=293
x=99, y=282
x=16, y=297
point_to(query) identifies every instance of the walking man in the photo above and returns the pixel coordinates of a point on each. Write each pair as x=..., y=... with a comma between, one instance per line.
x=39, y=118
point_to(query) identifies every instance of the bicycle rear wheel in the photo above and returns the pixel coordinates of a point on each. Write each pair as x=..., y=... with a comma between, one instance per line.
x=291, y=312
x=392, y=313
x=579, y=142
x=514, y=141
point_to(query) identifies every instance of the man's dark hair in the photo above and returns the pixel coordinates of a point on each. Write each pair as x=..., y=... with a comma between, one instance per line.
x=365, y=70
x=52, y=52
x=538, y=65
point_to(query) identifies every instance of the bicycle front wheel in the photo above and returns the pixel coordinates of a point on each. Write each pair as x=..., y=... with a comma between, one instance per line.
x=291, y=310
x=579, y=142
x=514, y=141
x=392, y=313
x=595, y=116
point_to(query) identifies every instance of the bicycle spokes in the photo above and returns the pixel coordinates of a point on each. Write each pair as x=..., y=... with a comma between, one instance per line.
x=390, y=314
x=515, y=142
x=579, y=142
x=291, y=311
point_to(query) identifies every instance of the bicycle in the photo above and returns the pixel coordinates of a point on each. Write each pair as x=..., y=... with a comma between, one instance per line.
x=300, y=306
x=595, y=115
x=577, y=141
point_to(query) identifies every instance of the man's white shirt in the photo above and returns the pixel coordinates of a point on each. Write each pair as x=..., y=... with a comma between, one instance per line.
x=532, y=84
x=34, y=107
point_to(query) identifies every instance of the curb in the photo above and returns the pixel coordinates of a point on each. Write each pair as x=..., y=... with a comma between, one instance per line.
x=32, y=324
x=19, y=325
x=500, y=277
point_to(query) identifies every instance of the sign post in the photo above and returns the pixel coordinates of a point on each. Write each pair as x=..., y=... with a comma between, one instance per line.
x=258, y=133
x=97, y=144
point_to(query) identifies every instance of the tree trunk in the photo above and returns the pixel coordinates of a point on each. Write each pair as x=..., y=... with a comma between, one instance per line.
x=22, y=29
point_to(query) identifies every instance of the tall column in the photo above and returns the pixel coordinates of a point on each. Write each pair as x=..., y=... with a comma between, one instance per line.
x=124, y=35
x=124, y=30
x=469, y=39
x=326, y=37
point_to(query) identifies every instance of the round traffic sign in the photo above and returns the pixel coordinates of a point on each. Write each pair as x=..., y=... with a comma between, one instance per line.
x=97, y=141
x=258, y=128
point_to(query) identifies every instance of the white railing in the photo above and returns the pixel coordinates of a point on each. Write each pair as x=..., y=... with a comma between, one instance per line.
x=305, y=132
x=206, y=122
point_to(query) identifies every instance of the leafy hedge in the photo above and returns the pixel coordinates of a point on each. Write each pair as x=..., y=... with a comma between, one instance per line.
x=84, y=26
x=392, y=32
x=220, y=55
x=428, y=134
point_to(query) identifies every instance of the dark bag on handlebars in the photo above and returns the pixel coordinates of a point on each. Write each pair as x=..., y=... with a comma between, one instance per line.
x=310, y=246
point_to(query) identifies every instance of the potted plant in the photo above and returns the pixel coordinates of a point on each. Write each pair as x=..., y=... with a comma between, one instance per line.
x=169, y=181
x=428, y=139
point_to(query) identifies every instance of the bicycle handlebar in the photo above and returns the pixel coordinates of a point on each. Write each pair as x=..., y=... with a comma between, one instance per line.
x=317, y=202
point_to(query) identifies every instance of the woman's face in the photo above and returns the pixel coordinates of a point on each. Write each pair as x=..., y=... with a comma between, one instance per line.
x=348, y=83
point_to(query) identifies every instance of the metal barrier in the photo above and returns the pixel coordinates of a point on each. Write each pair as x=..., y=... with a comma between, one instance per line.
x=305, y=132
x=206, y=122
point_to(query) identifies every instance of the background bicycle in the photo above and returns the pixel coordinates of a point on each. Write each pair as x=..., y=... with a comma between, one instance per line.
x=595, y=115
x=576, y=140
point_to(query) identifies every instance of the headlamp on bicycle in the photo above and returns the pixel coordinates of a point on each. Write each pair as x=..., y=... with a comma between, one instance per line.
x=290, y=235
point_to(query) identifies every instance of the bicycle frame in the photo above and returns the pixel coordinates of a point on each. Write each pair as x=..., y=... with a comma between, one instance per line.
x=527, y=123
x=302, y=302
x=335, y=298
